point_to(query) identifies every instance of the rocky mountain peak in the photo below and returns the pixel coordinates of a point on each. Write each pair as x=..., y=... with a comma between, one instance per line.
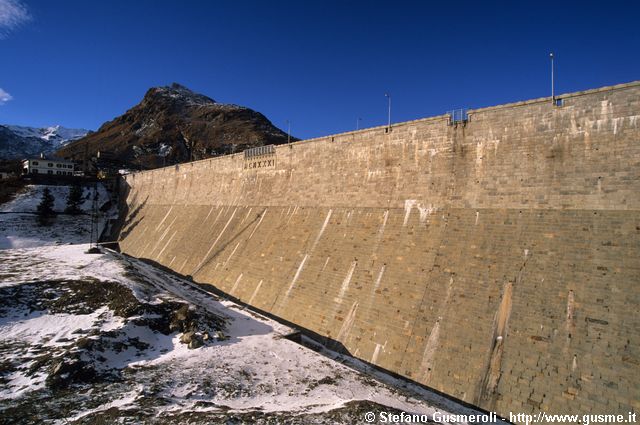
x=177, y=93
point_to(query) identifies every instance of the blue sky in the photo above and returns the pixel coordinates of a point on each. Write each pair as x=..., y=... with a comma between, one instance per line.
x=320, y=65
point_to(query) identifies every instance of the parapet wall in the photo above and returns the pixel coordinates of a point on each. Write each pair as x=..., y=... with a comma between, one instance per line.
x=495, y=260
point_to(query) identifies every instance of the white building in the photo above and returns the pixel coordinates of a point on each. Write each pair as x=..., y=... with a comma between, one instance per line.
x=43, y=166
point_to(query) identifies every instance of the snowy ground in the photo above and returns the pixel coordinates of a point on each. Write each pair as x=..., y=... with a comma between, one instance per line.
x=18, y=225
x=104, y=338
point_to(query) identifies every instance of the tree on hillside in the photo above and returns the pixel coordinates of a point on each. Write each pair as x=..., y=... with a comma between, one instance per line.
x=45, y=208
x=74, y=200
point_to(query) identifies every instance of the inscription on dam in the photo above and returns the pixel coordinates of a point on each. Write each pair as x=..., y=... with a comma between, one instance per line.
x=259, y=163
x=260, y=157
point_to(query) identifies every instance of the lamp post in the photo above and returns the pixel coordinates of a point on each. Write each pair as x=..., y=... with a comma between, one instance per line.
x=358, y=123
x=388, y=96
x=553, y=97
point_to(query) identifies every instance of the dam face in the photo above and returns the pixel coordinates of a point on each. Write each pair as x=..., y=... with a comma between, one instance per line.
x=496, y=260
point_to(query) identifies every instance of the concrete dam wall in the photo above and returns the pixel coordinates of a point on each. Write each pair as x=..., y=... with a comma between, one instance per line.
x=496, y=260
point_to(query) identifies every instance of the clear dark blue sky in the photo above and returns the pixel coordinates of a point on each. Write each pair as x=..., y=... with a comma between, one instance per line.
x=320, y=65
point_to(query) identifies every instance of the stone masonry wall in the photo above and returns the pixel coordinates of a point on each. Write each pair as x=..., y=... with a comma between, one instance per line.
x=496, y=261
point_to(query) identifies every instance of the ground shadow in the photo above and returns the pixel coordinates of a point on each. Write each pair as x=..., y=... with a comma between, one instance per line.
x=224, y=245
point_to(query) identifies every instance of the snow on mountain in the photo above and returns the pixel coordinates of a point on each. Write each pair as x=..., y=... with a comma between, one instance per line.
x=57, y=135
x=17, y=142
x=182, y=94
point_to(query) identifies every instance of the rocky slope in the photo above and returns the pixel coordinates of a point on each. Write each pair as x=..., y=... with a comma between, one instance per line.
x=17, y=142
x=172, y=125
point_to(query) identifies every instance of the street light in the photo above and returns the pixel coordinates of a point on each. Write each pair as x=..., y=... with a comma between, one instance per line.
x=553, y=97
x=358, y=123
x=388, y=96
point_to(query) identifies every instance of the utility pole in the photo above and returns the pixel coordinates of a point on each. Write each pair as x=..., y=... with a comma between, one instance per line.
x=288, y=131
x=95, y=223
x=553, y=96
x=388, y=96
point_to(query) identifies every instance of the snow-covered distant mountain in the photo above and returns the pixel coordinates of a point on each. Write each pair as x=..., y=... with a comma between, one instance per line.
x=17, y=142
x=56, y=134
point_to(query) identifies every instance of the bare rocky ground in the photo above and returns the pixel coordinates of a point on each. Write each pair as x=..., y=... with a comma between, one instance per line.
x=67, y=372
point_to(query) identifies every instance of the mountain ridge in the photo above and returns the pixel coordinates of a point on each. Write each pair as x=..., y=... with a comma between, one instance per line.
x=19, y=142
